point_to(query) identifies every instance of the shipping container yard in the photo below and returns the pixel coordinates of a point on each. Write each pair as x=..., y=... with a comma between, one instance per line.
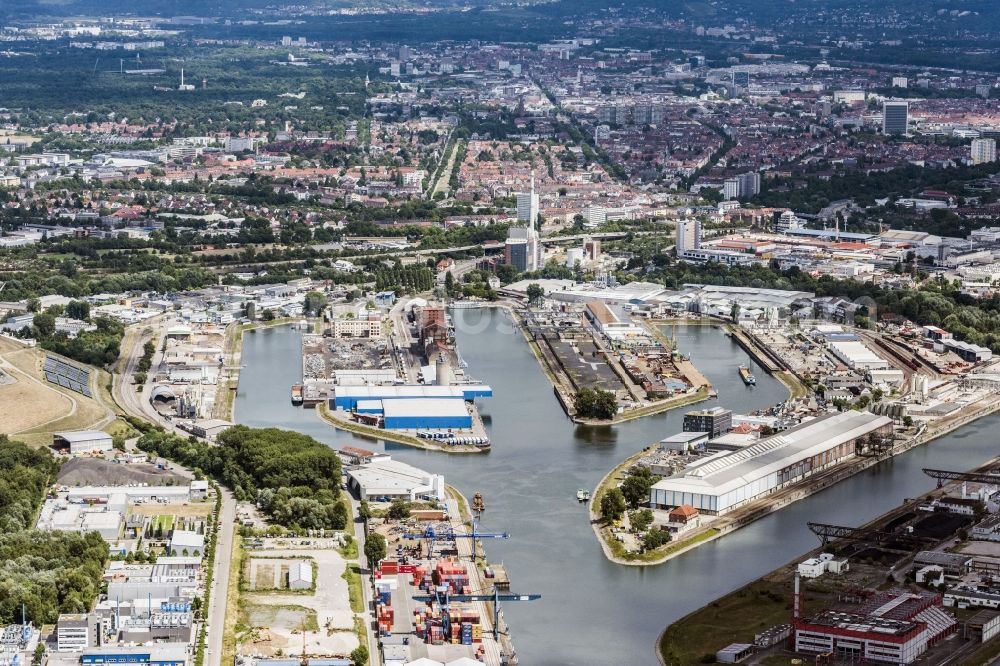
x=436, y=596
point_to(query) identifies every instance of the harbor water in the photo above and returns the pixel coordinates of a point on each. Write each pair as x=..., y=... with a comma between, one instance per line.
x=594, y=612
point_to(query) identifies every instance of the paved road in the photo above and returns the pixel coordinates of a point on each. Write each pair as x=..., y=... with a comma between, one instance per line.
x=367, y=593
x=132, y=401
x=220, y=580
x=137, y=404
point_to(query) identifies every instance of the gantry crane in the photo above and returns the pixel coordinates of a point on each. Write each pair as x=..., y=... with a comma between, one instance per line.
x=443, y=597
x=827, y=532
x=447, y=533
x=942, y=475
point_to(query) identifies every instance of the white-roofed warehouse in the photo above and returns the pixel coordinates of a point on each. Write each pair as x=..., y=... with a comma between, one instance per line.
x=384, y=477
x=83, y=441
x=725, y=481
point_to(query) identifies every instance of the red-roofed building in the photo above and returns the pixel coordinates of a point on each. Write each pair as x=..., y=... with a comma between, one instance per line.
x=683, y=514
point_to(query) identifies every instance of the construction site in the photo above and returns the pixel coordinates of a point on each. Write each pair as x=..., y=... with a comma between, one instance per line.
x=921, y=583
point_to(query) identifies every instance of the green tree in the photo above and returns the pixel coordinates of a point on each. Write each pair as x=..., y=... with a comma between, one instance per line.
x=584, y=402
x=605, y=405
x=364, y=510
x=374, y=548
x=359, y=656
x=44, y=324
x=399, y=509
x=612, y=504
x=655, y=538
x=314, y=303
x=78, y=310
x=641, y=520
x=535, y=293
x=635, y=487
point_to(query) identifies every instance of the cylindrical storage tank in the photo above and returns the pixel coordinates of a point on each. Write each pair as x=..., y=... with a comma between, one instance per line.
x=443, y=372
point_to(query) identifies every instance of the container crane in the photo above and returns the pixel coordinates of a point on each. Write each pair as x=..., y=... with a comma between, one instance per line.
x=446, y=533
x=443, y=597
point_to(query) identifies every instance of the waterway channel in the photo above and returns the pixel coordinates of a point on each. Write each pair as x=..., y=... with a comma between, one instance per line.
x=594, y=612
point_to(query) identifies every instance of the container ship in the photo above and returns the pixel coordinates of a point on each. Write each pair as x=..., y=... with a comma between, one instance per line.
x=747, y=376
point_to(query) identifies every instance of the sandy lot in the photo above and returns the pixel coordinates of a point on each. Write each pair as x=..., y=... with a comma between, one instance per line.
x=330, y=602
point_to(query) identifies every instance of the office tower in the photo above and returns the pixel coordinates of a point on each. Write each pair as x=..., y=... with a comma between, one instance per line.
x=527, y=206
x=608, y=114
x=900, y=82
x=731, y=189
x=749, y=184
x=523, y=249
x=716, y=421
x=895, y=116
x=787, y=221
x=983, y=151
x=688, y=236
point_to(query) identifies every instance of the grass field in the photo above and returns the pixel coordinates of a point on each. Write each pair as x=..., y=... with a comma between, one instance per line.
x=232, y=603
x=34, y=408
x=164, y=522
x=290, y=616
x=352, y=574
x=734, y=618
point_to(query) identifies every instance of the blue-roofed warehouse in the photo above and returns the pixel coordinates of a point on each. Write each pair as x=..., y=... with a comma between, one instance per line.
x=347, y=397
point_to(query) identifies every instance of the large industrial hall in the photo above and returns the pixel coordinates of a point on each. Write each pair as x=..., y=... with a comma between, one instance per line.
x=722, y=482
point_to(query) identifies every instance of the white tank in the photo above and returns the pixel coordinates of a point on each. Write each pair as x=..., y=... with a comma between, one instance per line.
x=443, y=372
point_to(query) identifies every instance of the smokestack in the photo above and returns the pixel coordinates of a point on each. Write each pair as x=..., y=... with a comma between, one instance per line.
x=797, y=600
x=182, y=77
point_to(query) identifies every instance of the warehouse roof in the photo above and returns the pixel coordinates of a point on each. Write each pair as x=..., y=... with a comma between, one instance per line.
x=722, y=473
x=411, y=391
x=424, y=407
x=856, y=351
x=77, y=436
x=384, y=475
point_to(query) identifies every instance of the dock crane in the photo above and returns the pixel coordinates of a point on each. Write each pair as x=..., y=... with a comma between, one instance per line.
x=443, y=597
x=941, y=475
x=446, y=533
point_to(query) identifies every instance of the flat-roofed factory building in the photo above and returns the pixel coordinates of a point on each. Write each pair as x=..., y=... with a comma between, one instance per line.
x=727, y=480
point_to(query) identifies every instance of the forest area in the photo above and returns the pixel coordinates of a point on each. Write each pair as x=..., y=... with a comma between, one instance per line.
x=293, y=478
x=49, y=572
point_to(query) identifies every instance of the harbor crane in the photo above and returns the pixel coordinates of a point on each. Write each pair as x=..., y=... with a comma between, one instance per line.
x=941, y=475
x=446, y=533
x=827, y=532
x=443, y=597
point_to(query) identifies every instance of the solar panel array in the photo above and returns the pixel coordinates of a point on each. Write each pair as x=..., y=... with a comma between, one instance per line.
x=68, y=376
